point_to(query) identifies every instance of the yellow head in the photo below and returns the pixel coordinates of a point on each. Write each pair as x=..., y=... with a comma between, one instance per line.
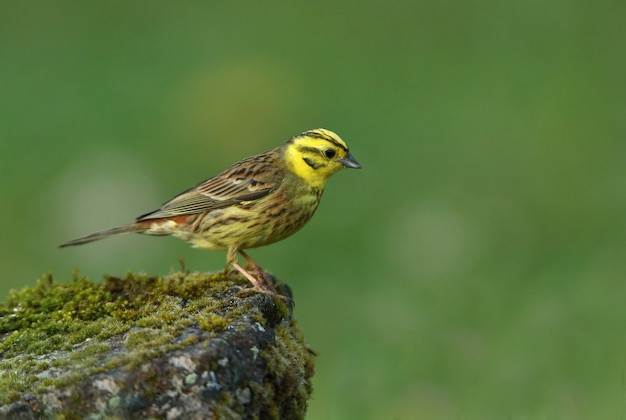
x=317, y=154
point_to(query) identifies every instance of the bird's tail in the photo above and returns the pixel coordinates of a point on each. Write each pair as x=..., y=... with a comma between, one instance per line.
x=133, y=227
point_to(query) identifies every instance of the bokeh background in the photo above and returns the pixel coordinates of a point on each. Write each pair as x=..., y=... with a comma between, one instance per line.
x=474, y=268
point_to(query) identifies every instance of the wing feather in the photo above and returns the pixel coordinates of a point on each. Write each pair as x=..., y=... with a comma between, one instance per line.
x=247, y=180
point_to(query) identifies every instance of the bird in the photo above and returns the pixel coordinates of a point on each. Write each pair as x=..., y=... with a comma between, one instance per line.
x=257, y=201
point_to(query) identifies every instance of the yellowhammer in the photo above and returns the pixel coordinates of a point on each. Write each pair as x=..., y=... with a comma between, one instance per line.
x=257, y=201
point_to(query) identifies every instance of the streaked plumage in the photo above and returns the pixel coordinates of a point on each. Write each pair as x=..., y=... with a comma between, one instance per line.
x=257, y=201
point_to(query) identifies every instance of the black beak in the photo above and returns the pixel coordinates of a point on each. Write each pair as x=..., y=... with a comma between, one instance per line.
x=350, y=162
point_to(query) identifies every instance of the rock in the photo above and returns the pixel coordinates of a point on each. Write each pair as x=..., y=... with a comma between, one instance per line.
x=181, y=346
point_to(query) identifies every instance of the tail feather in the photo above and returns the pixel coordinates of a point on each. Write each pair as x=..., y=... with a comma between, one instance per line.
x=133, y=227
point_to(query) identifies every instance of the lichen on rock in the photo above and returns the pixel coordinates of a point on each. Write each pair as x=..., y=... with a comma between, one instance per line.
x=188, y=344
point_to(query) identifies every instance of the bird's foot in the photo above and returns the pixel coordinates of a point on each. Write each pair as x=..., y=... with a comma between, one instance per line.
x=257, y=281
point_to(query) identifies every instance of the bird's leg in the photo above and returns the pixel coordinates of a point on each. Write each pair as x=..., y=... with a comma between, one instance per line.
x=260, y=274
x=231, y=258
x=231, y=255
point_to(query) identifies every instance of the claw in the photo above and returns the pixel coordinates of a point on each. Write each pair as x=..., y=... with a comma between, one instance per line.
x=256, y=284
x=258, y=279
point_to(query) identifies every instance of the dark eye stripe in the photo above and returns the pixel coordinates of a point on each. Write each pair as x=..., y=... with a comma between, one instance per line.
x=303, y=149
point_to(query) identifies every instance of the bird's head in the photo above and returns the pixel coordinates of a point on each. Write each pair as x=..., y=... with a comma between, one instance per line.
x=317, y=154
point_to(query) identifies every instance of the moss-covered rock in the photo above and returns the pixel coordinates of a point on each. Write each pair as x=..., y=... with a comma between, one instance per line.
x=194, y=345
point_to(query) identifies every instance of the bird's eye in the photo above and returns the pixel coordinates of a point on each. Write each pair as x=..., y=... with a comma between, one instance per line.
x=329, y=153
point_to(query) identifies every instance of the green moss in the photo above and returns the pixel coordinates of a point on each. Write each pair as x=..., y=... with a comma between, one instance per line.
x=286, y=373
x=70, y=320
x=88, y=353
x=212, y=322
x=147, y=338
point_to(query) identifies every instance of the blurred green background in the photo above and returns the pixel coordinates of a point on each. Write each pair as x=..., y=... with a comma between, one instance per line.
x=474, y=268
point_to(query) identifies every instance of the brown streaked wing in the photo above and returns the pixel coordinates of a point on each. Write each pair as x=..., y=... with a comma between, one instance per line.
x=247, y=180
